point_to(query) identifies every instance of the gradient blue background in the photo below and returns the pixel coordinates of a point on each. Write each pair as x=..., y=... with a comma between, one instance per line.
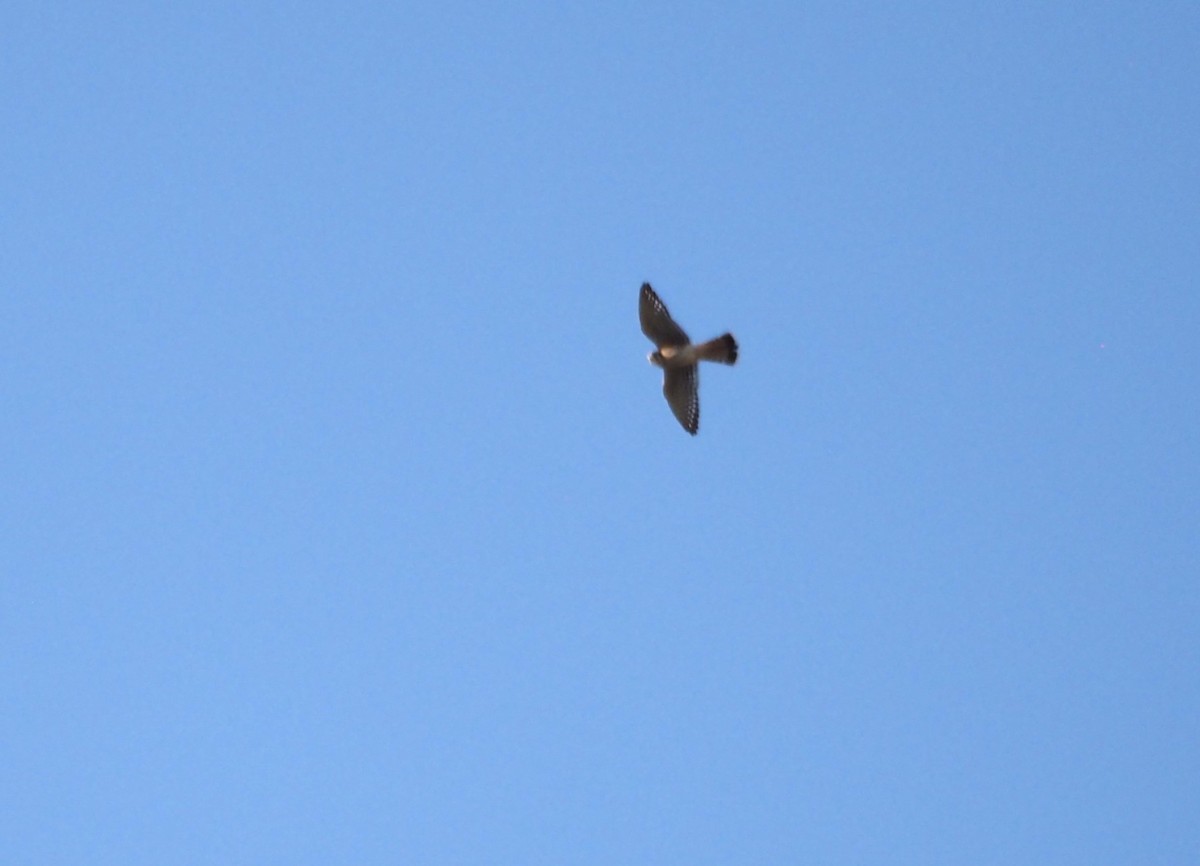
x=343, y=520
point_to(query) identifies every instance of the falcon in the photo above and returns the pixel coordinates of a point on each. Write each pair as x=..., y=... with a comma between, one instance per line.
x=679, y=357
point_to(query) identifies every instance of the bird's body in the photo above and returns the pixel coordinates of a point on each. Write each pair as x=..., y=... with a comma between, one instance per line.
x=722, y=350
x=673, y=356
x=679, y=357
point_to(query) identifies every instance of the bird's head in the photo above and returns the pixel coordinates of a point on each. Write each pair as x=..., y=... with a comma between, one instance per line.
x=655, y=358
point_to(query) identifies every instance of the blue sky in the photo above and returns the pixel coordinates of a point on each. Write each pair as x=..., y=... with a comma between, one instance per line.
x=344, y=520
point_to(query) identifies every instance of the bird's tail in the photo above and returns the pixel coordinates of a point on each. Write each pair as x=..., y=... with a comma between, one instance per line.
x=723, y=350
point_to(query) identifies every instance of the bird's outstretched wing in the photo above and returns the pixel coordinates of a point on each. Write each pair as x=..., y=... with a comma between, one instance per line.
x=681, y=387
x=657, y=323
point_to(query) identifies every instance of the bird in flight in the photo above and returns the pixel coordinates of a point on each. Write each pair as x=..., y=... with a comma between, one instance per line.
x=679, y=357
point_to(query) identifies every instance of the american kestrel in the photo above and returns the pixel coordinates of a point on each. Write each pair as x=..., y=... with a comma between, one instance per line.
x=679, y=357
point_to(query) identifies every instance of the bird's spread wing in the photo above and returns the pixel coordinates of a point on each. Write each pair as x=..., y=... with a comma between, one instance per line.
x=682, y=390
x=657, y=323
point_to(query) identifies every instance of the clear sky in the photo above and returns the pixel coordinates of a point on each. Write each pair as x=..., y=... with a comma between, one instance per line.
x=342, y=519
